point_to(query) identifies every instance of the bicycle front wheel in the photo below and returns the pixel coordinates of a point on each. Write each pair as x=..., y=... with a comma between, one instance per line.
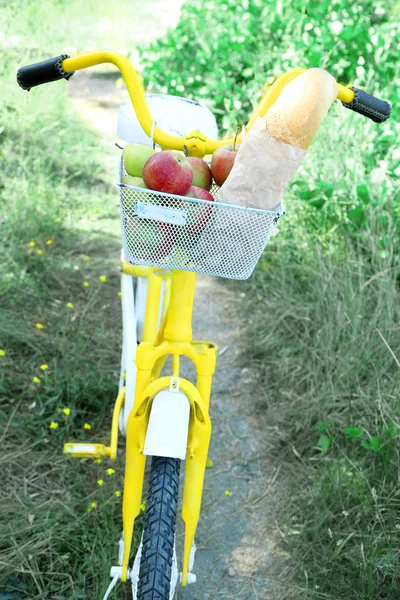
x=157, y=579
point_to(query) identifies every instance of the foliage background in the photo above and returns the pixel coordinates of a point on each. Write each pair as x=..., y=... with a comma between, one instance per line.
x=238, y=47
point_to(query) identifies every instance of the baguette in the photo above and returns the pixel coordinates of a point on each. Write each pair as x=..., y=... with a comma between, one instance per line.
x=301, y=107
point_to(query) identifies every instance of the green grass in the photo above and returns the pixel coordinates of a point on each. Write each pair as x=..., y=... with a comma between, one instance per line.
x=60, y=228
x=324, y=339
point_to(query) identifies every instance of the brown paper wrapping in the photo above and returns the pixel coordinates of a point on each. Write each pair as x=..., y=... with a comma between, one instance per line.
x=262, y=170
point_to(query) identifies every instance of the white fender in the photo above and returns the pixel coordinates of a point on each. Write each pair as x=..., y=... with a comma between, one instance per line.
x=167, y=432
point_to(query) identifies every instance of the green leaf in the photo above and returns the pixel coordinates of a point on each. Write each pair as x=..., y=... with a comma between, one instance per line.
x=308, y=194
x=247, y=73
x=363, y=193
x=324, y=442
x=328, y=189
x=357, y=215
x=391, y=429
x=372, y=444
x=317, y=202
x=353, y=432
x=322, y=427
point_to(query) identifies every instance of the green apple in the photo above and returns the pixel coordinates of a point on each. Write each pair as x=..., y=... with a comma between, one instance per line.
x=135, y=157
x=135, y=181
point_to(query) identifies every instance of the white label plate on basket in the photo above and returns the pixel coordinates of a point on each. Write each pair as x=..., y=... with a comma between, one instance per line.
x=159, y=213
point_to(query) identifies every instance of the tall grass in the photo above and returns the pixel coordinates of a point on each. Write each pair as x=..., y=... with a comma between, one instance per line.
x=325, y=340
x=59, y=323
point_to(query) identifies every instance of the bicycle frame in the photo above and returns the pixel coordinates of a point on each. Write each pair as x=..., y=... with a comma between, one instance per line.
x=172, y=338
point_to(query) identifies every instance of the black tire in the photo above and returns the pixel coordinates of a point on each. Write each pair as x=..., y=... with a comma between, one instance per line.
x=159, y=530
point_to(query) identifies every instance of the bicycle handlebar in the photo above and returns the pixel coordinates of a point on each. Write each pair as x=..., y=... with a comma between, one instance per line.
x=63, y=67
x=369, y=106
x=43, y=72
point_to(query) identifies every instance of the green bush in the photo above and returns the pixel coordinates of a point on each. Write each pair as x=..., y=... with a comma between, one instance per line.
x=223, y=51
x=347, y=185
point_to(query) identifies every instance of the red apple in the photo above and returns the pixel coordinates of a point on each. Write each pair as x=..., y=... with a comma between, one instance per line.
x=202, y=177
x=198, y=216
x=222, y=163
x=198, y=192
x=168, y=171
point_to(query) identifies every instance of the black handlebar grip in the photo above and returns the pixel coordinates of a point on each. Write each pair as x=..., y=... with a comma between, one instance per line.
x=42, y=72
x=369, y=106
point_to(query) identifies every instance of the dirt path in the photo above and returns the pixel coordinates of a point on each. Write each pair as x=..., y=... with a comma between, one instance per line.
x=235, y=534
x=235, y=554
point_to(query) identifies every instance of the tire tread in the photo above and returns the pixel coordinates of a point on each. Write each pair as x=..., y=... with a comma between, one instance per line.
x=159, y=530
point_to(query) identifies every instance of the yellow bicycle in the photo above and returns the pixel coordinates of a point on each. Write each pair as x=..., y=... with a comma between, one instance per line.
x=167, y=417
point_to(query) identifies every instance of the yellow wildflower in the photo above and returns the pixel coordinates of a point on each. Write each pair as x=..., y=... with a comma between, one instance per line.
x=86, y=284
x=100, y=482
x=44, y=367
x=36, y=380
x=39, y=326
x=120, y=294
x=48, y=242
x=70, y=305
x=92, y=506
x=110, y=471
x=143, y=506
x=117, y=493
x=2, y=352
x=103, y=278
x=32, y=244
x=87, y=258
x=98, y=461
x=228, y=493
x=66, y=411
x=87, y=426
x=53, y=425
x=39, y=251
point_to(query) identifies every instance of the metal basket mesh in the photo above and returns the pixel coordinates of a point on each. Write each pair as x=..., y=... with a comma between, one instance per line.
x=174, y=232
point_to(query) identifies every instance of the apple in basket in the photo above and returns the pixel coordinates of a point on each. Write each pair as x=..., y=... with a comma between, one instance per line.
x=198, y=214
x=202, y=176
x=222, y=162
x=135, y=156
x=168, y=171
x=148, y=240
x=134, y=181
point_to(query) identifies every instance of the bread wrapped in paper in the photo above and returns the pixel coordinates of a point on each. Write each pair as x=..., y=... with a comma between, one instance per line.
x=276, y=145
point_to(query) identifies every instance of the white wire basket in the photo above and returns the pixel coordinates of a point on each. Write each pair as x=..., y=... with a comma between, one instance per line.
x=176, y=232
